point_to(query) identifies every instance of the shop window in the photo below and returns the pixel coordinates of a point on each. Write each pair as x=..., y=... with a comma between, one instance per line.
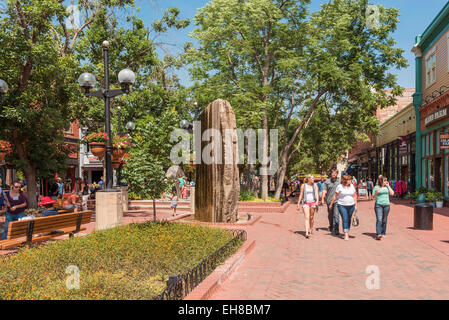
x=425, y=180
x=423, y=146
x=431, y=175
x=431, y=144
x=437, y=142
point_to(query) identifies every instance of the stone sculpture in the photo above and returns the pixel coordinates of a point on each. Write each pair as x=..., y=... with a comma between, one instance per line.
x=217, y=176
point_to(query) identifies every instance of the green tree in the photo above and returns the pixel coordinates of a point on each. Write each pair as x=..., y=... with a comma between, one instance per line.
x=274, y=59
x=44, y=49
x=149, y=159
x=37, y=61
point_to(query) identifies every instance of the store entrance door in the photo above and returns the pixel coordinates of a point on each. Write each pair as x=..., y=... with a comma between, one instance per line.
x=438, y=175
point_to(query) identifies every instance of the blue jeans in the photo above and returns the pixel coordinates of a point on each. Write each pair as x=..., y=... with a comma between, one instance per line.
x=346, y=215
x=10, y=218
x=381, y=218
x=334, y=218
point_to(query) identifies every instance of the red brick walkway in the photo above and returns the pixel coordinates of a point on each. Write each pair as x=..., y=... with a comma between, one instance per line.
x=285, y=265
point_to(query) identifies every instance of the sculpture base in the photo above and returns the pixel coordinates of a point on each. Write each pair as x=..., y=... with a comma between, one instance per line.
x=109, y=210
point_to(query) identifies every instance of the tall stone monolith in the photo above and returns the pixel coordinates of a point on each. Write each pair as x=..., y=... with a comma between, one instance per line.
x=217, y=176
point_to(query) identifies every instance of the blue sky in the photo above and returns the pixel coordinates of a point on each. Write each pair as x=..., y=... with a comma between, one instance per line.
x=416, y=15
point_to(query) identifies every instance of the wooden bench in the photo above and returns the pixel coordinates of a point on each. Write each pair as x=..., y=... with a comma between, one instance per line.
x=21, y=232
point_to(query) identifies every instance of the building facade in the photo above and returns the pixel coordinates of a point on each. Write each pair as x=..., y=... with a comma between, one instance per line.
x=431, y=103
x=363, y=158
x=396, y=149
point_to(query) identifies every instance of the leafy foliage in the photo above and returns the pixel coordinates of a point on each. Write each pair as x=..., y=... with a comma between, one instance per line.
x=148, y=162
x=277, y=63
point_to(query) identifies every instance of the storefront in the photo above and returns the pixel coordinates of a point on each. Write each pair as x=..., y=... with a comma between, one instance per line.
x=396, y=150
x=434, y=144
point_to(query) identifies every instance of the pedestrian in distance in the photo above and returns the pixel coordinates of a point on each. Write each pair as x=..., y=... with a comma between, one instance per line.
x=308, y=199
x=333, y=215
x=346, y=197
x=369, y=188
x=60, y=188
x=174, y=203
x=382, y=193
x=48, y=204
x=320, y=185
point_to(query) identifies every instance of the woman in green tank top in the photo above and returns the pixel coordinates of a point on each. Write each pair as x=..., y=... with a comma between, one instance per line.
x=382, y=192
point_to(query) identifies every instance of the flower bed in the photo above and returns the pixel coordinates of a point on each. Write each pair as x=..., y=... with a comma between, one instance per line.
x=128, y=262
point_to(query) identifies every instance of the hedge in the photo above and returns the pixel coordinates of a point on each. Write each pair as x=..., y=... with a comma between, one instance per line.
x=127, y=262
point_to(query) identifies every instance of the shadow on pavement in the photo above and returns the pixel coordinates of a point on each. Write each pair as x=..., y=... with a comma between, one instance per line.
x=370, y=234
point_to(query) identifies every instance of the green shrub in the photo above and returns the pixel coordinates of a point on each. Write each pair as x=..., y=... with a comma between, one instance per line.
x=127, y=262
x=246, y=196
x=422, y=190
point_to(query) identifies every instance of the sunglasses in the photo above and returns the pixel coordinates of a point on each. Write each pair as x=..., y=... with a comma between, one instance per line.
x=17, y=187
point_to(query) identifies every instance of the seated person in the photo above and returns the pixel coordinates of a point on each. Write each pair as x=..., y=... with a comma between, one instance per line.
x=49, y=210
x=71, y=203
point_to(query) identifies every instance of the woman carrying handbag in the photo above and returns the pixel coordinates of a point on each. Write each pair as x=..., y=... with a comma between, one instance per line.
x=346, y=197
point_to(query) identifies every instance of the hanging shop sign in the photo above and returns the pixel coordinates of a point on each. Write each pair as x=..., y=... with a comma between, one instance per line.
x=402, y=144
x=444, y=141
x=436, y=116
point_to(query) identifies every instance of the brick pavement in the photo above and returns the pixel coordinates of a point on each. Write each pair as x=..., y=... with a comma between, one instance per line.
x=285, y=265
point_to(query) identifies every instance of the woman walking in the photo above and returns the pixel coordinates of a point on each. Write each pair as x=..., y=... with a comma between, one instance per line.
x=382, y=193
x=346, y=196
x=308, y=198
x=17, y=202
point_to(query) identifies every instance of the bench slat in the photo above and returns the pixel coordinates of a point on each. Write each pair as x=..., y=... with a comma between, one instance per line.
x=8, y=244
x=57, y=222
x=50, y=222
x=19, y=228
x=48, y=228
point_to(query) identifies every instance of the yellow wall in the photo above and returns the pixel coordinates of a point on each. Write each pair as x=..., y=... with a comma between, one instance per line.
x=395, y=127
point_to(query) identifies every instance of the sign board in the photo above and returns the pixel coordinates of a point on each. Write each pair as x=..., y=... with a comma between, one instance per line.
x=436, y=116
x=444, y=141
x=402, y=144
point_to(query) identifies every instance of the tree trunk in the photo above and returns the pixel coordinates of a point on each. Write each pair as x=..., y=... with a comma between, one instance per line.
x=30, y=176
x=281, y=175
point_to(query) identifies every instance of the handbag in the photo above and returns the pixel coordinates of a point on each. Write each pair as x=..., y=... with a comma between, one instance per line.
x=355, y=219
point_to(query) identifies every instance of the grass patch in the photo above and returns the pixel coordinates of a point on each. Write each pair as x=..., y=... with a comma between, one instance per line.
x=127, y=262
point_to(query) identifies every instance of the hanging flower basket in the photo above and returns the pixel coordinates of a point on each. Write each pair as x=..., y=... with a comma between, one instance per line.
x=5, y=148
x=98, y=149
x=118, y=153
x=116, y=163
x=125, y=157
x=97, y=143
x=120, y=145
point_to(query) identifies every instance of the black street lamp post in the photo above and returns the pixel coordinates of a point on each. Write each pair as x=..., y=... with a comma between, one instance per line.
x=87, y=81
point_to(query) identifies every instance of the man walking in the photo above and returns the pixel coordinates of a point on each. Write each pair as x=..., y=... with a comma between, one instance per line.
x=320, y=185
x=329, y=187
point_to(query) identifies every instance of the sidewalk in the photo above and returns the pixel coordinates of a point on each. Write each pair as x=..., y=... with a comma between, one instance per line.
x=285, y=265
